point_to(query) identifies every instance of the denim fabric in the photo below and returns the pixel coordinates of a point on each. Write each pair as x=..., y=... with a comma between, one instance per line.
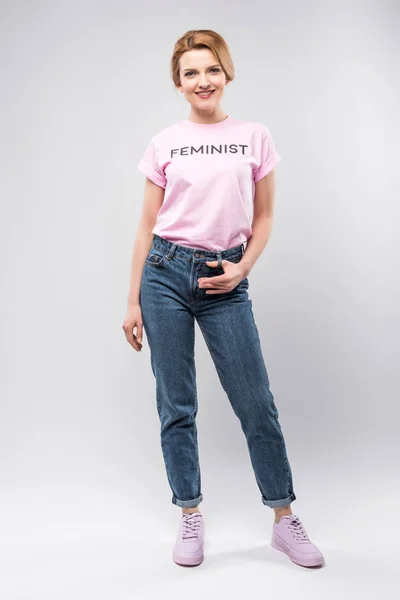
x=171, y=300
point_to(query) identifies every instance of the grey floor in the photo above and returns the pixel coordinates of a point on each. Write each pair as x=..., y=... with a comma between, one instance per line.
x=102, y=549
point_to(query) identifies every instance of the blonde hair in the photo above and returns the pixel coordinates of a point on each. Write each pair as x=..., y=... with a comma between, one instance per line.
x=202, y=38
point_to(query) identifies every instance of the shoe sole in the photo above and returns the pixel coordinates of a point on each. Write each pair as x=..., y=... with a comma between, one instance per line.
x=311, y=562
x=188, y=561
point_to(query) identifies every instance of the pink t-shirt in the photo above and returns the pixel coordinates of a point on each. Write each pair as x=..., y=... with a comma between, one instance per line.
x=209, y=173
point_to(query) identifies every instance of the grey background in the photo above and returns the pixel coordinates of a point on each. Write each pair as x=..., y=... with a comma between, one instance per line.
x=85, y=505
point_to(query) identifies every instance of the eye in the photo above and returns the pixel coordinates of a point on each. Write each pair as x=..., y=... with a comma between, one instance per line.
x=217, y=69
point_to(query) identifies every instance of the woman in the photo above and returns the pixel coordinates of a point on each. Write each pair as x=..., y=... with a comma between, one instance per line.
x=209, y=188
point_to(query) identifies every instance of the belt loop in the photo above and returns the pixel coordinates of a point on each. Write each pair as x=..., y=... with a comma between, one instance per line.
x=219, y=258
x=171, y=251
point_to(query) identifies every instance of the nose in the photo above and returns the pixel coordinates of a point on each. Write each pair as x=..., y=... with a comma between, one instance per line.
x=204, y=82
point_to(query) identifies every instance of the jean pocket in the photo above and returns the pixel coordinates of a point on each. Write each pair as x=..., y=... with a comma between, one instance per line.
x=155, y=257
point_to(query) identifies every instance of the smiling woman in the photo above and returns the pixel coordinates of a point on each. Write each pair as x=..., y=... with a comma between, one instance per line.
x=202, y=175
x=197, y=74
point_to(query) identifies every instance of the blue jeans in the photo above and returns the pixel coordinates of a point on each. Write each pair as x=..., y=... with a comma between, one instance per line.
x=170, y=300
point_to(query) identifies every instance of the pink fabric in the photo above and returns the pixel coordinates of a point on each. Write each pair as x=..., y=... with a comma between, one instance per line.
x=209, y=173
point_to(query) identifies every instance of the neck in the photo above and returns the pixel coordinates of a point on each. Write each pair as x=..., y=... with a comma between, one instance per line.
x=207, y=118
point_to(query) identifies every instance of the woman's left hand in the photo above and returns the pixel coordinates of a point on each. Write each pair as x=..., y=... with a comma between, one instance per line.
x=233, y=275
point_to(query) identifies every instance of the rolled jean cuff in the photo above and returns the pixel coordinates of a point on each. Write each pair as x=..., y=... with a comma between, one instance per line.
x=279, y=503
x=187, y=503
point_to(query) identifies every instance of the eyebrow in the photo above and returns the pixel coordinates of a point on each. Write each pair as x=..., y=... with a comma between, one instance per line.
x=193, y=69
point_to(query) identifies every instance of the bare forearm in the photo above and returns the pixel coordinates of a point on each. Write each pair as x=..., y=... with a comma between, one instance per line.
x=261, y=231
x=141, y=248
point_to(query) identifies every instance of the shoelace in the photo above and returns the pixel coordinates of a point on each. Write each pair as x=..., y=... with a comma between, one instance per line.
x=190, y=525
x=296, y=528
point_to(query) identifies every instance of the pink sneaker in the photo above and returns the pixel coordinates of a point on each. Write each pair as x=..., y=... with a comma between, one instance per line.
x=289, y=536
x=188, y=548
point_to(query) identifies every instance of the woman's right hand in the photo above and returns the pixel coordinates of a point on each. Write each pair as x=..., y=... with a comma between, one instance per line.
x=134, y=319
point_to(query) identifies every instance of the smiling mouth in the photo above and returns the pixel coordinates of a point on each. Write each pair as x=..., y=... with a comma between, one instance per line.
x=205, y=93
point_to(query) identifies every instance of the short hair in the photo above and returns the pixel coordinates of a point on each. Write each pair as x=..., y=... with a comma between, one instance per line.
x=202, y=38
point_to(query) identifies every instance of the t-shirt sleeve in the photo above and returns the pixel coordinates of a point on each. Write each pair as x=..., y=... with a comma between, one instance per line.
x=268, y=156
x=149, y=166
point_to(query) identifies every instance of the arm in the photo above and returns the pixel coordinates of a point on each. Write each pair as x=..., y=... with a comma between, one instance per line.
x=152, y=202
x=153, y=199
x=262, y=221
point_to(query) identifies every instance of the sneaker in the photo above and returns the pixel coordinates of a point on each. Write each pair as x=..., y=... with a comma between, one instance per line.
x=290, y=537
x=188, y=548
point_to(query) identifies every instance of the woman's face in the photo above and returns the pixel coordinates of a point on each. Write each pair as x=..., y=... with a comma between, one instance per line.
x=200, y=71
